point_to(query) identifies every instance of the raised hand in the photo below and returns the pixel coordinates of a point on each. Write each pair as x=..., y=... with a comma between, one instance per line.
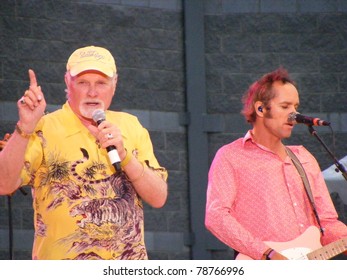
x=32, y=105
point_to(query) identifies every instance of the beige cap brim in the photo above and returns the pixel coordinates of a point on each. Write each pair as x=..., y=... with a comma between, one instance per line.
x=91, y=65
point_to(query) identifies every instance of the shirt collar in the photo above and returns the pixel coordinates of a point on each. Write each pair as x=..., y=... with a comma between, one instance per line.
x=247, y=137
x=69, y=117
x=296, y=149
x=75, y=125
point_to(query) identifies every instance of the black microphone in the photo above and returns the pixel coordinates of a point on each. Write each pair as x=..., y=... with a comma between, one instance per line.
x=297, y=117
x=99, y=116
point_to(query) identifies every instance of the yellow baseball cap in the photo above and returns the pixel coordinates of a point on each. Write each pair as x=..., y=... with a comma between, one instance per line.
x=91, y=58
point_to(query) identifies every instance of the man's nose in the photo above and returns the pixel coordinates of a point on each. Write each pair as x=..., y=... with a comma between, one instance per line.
x=92, y=91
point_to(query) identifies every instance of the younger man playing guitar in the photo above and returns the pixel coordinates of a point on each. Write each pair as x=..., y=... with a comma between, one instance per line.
x=256, y=193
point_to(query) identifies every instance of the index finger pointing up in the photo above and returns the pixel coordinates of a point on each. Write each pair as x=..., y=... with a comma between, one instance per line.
x=32, y=77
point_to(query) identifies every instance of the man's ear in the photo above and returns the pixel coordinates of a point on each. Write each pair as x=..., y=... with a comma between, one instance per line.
x=258, y=107
x=115, y=80
x=66, y=78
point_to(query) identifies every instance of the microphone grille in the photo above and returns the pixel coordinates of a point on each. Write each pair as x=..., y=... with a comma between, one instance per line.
x=292, y=117
x=99, y=115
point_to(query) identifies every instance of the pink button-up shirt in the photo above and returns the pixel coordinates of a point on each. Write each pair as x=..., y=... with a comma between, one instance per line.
x=255, y=196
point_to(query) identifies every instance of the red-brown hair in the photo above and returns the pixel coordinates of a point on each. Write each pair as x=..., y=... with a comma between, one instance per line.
x=261, y=90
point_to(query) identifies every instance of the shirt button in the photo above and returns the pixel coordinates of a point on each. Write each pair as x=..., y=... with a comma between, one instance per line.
x=301, y=225
x=294, y=204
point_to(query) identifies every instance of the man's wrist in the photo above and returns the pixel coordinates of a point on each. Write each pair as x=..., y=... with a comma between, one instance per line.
x=269, y=254
x=22, y=132
x=126, y=159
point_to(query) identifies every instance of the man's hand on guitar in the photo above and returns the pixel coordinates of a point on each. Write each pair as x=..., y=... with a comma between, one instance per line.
x=277, y=256
x=271, y=254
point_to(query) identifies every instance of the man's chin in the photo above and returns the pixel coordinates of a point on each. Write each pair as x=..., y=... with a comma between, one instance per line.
x=287, y=135
x=88, y=111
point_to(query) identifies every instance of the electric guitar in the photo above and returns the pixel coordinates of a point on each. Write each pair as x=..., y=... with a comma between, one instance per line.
x=306, y=247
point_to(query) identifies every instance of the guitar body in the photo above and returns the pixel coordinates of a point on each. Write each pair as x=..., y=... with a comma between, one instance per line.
x=306, y=246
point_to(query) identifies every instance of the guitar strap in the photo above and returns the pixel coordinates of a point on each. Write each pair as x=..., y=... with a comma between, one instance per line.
x=304, y=178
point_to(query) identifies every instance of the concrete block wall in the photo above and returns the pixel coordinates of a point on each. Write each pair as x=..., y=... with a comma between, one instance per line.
x=147, y=42
x=243, y=40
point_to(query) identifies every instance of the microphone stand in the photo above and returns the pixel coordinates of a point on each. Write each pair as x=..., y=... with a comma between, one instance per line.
x=336, y=162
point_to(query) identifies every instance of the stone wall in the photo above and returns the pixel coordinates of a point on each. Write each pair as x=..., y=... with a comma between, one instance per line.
x=146, y=40
x=243, y=40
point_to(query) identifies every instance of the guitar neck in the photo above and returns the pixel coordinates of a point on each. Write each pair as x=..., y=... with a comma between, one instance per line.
x=329, y=251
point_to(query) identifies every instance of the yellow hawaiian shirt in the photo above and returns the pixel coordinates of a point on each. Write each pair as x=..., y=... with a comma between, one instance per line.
x=83, y=209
